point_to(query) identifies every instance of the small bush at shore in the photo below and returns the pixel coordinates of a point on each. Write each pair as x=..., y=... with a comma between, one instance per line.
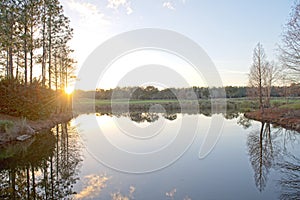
x=5, y=126
x=32, y=101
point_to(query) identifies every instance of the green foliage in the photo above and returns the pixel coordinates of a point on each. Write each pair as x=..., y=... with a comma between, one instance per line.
x=294, y=106
x=31, y=101
x=277, y=103
x=5, y=125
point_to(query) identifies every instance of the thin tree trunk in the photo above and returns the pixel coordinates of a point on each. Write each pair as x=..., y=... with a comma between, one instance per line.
x=10, y=49
x=17, y=69
x=31, y=51
x=25, y=53
x=55, y=71
x=49, y=50
x=44, y=46
x=10, y=63
x=33, y=182
x=28, y=181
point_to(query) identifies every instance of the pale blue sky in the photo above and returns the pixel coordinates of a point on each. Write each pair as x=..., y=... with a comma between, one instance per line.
x=227, y=30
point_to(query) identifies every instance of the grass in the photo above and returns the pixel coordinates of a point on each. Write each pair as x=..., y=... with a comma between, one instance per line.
x=240, y=104
x=293, y=106
x=6, y=125
x=11, y=130
x=6, y=130
x=124, y=101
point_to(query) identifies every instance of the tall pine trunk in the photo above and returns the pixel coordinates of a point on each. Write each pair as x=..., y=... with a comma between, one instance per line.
x=44, y=45
x=49, y=51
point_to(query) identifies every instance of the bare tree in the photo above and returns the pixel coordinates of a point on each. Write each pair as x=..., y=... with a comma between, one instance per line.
x=271, y=76
x=257, y=73
x=263, y=75
x=290, y=49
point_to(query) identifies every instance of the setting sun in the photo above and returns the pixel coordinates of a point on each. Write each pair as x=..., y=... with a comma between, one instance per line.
x=69, y=90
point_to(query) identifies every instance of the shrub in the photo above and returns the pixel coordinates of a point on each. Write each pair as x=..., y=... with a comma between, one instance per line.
x=5, y=125
x=29, y=101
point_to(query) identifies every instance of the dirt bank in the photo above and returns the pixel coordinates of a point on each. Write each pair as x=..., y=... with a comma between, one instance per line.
x=286, y=118
x=34, y=126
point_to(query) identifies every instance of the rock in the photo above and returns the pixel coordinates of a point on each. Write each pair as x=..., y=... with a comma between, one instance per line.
x=23, y=137
x=25, y=129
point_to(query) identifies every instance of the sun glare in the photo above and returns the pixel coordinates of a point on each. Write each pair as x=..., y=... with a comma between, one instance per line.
x=69, y=90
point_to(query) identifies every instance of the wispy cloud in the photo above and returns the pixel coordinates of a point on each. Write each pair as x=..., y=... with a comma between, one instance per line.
x=115, y=4
x=89, y=13
x=91, y=27
x=183, y=1
x=169, y=5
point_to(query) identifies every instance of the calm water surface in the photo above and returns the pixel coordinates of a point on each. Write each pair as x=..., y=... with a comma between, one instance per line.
x=251, y=160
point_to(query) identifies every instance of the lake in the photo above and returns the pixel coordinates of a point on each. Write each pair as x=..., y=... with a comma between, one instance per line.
x=154, y=156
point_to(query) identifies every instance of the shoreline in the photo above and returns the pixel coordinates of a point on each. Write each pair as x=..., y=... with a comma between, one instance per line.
x=286, y=118
x=34, y=127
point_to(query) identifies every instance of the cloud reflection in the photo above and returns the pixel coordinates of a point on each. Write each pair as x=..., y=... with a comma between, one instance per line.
x=171, y=194
x=119, y=196
x=94, y=184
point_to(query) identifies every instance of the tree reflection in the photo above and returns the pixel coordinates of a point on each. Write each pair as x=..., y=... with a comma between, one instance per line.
x=289, y=165
x=170, y=117
x=261, y=154
x=290, y=180
x=45, y=169
x=278, y=151
x=168, y=110
x=143, y=117
x=244, y=121
x=231, y=114
x=146, y=116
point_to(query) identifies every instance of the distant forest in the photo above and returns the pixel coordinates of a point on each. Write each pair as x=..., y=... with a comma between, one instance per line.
x=151, y=92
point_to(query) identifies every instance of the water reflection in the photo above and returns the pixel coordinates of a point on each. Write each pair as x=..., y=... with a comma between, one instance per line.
x=289, y=164
x=143, y=117
x=169, y=112
x=140, y=115
x=45, y=167
x=290, y=181
x=50, y=165
x=171, y=194
x=244, y=121
x=93, y=185
x=277, y=149
x=261, y=154
x=119, y=196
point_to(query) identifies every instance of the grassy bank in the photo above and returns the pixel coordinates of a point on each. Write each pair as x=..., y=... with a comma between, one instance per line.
x=241, y=105
x=283, y=112
x=284, y=117
x=203, y=103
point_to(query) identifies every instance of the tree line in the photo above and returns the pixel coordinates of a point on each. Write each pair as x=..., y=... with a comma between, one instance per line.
x=35, y=58
x=264, y=74
x=34, y=37
x=151, y=92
